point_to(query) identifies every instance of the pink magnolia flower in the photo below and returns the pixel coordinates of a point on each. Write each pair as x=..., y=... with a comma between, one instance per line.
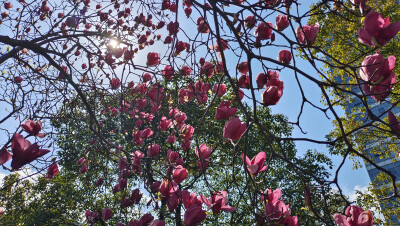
x=61, y=73
x=52, y=171
x=377, y=31
x=91, y=217
x=164, y=123
x=180, y=116
x=202, y=25
x=355, y=216
x=185, y=95
x=136, y=196
x=180, y=46
x=108, y=58
x=18, y=79
x=173, y=7
x=393, y=121
x=72, y=21
x=186, y=132
x=173, y=201
x=137, y=139
x=273, y=92
x=155, y=93
x=282, y=22
x=219, y=89
x=172, y=155
x=203, y=164
x=215, y=47
x=207, y=69
x=179, y=174
x=180, y=161
x=146, y=133
x=189, y=200
x=33, y=128
x=284, y=56
x=279, y=213
x=99, y=182
x=375, y=68
x=269, y=196
x=168, y=72
x=203, y=152
x=106, y=214
x=146, y=219
x=155, y=187
x=194, y=215
x=116, y=188
x=307, y=34
x=380, y=91
x=83, y=169
x=224, y=111
x=114, y=112
x=122, y=163
x=244, y=81
x=240, y=93
x=126, y=202
x=243, y=67
x=291, y=221
x=152, y=59
x=171, y=139
x=167, y=187
x=218, y=202
x=81, y=161
x=261, y=80
x=173, y=27
x=271, y=95
x=201, y=97
x=234, y=129
x=361, y=4
x=146, y=77
x=5, y=156
x=202, y=61
x=24, y=152
x=185, y=70
x=188, y=11
x=166, y=4
x=8, y=5
x=153, y=150
x=250, y=21
x=168, y=40
x=141, y=103
x=256, y=165
x=142, y=39
x=115, y=83
x=263, y=31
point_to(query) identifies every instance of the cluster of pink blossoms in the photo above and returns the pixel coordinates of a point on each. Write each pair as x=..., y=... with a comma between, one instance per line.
x=275, y=210
x=376, y=71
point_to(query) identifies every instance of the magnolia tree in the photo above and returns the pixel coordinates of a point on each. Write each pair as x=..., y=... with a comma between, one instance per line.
x=161, y=108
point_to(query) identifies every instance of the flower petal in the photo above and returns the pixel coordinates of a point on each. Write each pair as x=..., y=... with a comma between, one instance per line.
x=364, y=37
x=4, y=156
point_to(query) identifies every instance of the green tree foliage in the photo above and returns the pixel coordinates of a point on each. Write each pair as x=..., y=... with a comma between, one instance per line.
x=365, y=132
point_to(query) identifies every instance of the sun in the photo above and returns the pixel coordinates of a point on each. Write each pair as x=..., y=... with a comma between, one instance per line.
x=113, y=43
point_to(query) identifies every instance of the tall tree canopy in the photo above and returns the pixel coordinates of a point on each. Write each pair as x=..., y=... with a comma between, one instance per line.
x=158, y=112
